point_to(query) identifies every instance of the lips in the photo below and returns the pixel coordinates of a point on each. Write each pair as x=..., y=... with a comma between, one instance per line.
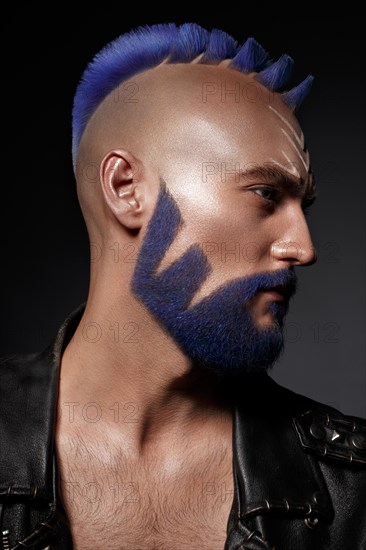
x=279, y=292
x=274, y=295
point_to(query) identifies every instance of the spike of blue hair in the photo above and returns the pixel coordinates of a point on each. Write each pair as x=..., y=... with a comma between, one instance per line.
x=293, y=98
x=191, y=41
x=251, y=57
x=220, y=46
x=276, y=75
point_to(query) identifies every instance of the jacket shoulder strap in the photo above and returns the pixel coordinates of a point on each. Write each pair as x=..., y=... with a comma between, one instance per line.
x=333, y=435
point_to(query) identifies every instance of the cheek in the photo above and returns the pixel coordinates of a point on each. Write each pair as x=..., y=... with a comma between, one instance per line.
x=231, y=235
x=231, y=219
x=229, y=229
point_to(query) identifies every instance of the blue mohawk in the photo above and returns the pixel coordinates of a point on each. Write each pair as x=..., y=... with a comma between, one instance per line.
x=148, y=46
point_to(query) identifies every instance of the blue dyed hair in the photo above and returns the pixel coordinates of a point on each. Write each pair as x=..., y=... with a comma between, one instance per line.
x=147, y=46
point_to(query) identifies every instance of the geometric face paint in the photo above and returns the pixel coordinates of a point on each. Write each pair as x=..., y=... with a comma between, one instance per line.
x=218, y=332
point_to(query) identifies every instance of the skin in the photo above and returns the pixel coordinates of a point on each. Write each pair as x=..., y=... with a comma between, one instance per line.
x=171, y=133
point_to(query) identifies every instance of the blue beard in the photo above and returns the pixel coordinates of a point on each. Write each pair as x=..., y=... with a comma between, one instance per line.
x=219, y=331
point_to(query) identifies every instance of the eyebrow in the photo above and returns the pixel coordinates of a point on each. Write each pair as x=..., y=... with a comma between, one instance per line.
x=285, y=181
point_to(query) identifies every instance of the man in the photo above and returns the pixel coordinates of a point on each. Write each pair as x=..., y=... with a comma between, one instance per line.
x=151, y=421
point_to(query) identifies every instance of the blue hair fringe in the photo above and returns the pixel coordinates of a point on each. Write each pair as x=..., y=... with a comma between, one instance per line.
x=191, y=41
x=294, y=98
x=220, y=46
x=251, y=57
x=277, y=74
x=148, y=46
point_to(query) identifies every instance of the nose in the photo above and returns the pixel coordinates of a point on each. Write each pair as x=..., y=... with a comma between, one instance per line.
x=295, y=246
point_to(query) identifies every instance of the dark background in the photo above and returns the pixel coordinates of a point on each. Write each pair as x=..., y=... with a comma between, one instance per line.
x=45, y=252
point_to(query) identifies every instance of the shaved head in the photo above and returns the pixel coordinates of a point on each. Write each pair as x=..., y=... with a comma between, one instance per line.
x=177, y=117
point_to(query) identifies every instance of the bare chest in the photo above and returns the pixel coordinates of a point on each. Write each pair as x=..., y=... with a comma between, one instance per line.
x=120, y=505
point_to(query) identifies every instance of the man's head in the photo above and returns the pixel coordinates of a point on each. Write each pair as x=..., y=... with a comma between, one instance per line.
x=201, y=161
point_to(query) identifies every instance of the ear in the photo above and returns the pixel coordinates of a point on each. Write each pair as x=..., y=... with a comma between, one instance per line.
x=120, y=178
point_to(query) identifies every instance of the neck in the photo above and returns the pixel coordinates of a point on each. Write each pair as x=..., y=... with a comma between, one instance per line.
x=122, y=369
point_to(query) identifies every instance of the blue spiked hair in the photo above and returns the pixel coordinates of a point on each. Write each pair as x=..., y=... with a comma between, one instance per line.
x=147, y=46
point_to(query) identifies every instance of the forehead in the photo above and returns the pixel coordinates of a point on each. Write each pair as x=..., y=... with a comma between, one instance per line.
x=223, y=109
x=188, y=114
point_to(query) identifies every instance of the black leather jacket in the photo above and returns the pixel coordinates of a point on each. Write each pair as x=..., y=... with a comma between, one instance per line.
x=299, y=465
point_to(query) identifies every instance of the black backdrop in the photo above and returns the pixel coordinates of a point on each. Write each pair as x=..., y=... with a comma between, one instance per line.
x=45, y=254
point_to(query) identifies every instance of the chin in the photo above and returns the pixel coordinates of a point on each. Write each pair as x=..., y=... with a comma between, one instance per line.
x=256, y=357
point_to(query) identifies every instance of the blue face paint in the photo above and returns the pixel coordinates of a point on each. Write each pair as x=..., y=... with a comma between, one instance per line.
x=218, y=332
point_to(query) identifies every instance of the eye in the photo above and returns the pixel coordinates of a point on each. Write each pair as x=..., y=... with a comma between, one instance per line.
x=266, y=192
x=307, y=203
